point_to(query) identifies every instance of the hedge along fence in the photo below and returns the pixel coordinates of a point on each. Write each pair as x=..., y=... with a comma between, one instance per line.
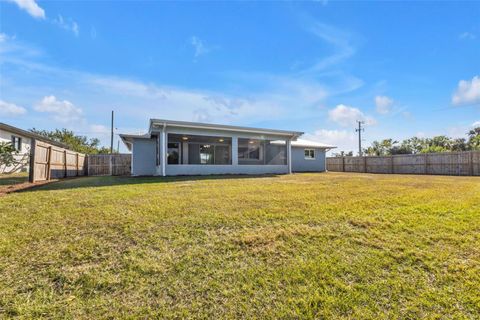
x=52, y=162
x=109, y=164
x=448, y=163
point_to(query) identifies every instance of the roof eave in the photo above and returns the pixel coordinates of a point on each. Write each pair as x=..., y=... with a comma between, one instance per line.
x=195, y=125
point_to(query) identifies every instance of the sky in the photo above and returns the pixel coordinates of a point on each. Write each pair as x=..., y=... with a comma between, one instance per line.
x=404, y=68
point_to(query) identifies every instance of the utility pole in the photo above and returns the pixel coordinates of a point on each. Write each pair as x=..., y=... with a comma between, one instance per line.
x=118, y=146
x=359, y=130
x=111, y=136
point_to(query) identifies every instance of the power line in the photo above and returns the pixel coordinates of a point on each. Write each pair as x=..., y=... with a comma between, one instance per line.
x=359, y=130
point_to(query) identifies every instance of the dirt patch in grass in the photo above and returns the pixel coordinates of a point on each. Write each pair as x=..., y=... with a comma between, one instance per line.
x=17, y=182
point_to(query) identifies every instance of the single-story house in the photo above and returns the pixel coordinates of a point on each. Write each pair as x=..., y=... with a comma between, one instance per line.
x=22, y=141
x=190, y=148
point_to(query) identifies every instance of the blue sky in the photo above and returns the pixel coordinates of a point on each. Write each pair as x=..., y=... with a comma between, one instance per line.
x=405, y=68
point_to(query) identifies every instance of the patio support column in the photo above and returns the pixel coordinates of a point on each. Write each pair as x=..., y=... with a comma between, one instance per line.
x=289, y=155
x=163, y=149
x=234, y=150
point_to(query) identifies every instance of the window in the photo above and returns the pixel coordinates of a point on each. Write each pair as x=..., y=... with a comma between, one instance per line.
x=309, y=154
x=207, y=154
x=17, y=143
x=261, y=152
x=195, y=149
x=173, y=155
x=250, y=149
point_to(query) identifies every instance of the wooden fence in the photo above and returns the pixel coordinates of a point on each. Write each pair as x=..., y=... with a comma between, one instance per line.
x=109, y=164
x=448, y=163
x=51, y=162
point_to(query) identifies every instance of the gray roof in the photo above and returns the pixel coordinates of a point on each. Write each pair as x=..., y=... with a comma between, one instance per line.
x=128, y=138
x=302, y=143
x=159, y=123
x=200, y=125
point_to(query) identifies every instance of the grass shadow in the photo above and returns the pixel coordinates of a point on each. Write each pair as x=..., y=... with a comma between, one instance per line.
x=105, y=181
x=14, y=178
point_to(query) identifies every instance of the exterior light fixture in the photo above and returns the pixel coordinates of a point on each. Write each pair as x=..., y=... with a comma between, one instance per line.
x=184, y=138
x=221, y=140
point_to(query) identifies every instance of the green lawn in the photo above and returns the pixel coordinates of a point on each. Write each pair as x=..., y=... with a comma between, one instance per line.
x=333, y=245
x=13, y=178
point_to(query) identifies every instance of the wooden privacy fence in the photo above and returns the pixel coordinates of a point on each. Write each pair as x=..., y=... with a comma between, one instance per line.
x=448, y=163
x=52, y=162
x=109, y=164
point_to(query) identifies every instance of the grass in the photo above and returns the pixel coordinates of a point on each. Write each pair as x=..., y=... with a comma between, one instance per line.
x=354, y=246
x=13, y=178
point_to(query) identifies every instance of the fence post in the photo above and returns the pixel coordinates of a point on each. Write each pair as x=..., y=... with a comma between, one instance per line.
x=65, y=163
x=343, y=164
x=471, y=163
x=88, y=165
x=49, y=163
x=77, y=165
x=110, y=162
x=31, y=173
x=365, y=164
x=392, y=165
x=426, y=163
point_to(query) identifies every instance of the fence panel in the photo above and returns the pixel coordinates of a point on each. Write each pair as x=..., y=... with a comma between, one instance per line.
x=51, y=162
x=448, y=163
x=109, y=164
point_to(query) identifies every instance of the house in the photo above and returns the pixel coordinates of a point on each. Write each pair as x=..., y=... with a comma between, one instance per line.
x=190, y=148
x=22, y=141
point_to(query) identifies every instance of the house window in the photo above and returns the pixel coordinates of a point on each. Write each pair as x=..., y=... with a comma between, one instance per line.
x=261, y=152
x=250, y=149
x=194, y=149
x=173, y=153
x=309, y=154
x=17, y=143
x=207, y=154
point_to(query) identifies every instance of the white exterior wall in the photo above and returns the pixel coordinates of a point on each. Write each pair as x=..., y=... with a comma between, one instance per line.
x=23, y=155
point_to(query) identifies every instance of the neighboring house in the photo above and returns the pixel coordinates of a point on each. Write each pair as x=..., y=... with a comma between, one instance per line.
x=190, y=148
x=22, y=141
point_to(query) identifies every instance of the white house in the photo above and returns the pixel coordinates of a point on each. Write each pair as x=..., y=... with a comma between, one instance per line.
x=22, y=141
x=192, y=148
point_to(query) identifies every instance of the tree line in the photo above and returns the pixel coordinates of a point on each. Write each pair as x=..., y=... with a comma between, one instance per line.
x=417, y=145
x=75, y=142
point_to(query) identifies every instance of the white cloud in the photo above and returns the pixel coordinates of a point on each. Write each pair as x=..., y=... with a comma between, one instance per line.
x=383, y=104
x=4, y=37
x=67, y=24
x=342, y=139
x=340, y=40
x=199, y=46
x=468, y=92
x=62, y=111
x=10, y=109
x=31, y=7
x=476, y=124
x=467, y=36
x=198, y=105
x=348, y=116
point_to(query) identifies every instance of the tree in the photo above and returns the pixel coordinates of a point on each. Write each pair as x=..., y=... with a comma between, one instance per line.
x=381, y=148
x=7, y=156
x=343, y=154
x=474, y=139
x=413, y=144
x=76, y=142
